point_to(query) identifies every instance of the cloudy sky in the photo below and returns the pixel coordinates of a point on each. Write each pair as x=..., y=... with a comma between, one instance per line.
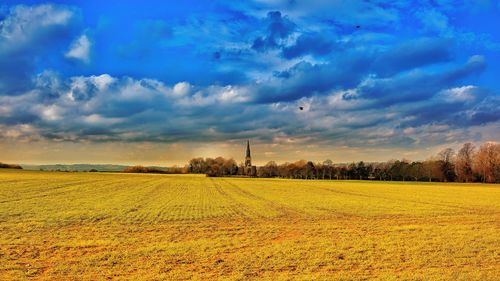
x=164, y=81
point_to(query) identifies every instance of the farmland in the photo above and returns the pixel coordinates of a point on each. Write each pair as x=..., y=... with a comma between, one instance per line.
x=95, y=226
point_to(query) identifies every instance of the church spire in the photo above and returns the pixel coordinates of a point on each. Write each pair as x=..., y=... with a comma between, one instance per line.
x=249, y=170
x=248, y=148
x=248, y=158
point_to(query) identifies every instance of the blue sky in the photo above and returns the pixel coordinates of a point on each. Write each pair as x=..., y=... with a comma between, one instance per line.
x=376, y=79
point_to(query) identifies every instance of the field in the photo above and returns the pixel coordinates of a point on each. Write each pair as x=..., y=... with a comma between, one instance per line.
x=95, y=226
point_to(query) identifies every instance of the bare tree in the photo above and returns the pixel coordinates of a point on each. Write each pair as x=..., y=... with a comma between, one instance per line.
x=416, y=170
x=463, y=163
x=230, y=167
x=446, y=159
x=432, y=170
x=328, y=168
x=197, y=165
x=284, y=170
x=487, y=162
x=310, y=170
x=270, y=170
x=299, y=169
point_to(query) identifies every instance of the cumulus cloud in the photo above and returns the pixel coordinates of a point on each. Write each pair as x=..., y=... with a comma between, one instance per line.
x=105, y=108
x=111, y=108
x=80, y=49
x=49, y=86
x=25, y=25
x=181, y=89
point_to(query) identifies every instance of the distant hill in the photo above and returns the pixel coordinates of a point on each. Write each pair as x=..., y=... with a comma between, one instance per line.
x=77, y=167
x=84, y=167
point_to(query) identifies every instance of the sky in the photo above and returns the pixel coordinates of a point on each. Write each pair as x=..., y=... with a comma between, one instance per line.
x=160, y=82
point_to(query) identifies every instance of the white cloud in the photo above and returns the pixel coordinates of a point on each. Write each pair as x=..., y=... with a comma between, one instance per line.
x=97, y=119
x=106, y=108
x=20, y=132
x=25, y=24
x=216, y=95
x=51, y=112
x=460, y=94
x=103, y=81
x=233, y=94
x=80, y=49
x=181, y=89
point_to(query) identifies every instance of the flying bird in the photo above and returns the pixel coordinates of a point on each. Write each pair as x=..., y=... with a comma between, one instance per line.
x=358, y=26
x=301, y=107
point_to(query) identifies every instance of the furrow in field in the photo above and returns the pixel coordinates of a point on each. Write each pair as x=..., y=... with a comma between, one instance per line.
x=47, y=190
x=296, y=198
x=236, y=208
x=168, y=193
x=173, y=199
x=90, y=202
x=136, y=200
x=269, y=205
x=395, y=199
x=55, y=207
x=175, y=191
x=192, y=204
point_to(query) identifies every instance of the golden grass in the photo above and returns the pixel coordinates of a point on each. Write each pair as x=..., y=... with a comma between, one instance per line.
x=94, y=226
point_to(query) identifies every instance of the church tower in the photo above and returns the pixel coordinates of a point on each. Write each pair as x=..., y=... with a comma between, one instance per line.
x=249, y=170
x=248, y=158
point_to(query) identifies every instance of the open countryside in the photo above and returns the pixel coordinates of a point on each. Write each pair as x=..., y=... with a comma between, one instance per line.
x=89, y=226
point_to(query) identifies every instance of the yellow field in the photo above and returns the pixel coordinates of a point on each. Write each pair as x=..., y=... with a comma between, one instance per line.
x=93, y=226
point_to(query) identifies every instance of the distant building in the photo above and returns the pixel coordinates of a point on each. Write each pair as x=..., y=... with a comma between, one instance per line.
x=249, y=170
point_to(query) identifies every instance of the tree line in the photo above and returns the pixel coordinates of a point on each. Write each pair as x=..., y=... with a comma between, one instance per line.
x=215, y=167
x=154, y=170
x=9, y=166
x=468, y=164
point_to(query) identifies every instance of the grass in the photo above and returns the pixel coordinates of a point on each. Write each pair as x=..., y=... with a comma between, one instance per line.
x=94, y=226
